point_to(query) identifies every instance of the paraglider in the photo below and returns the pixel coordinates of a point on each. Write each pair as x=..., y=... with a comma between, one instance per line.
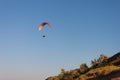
x=42, y=25
x=43, y=36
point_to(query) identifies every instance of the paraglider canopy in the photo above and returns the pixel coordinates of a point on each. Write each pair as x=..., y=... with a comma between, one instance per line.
x=43, y=24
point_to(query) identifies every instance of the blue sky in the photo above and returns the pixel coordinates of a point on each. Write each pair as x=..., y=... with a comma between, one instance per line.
x=81, y=31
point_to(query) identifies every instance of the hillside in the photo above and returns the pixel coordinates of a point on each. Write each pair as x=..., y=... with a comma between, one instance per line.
x=103, y=68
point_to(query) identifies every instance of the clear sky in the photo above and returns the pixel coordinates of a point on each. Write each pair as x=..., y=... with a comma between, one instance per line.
x=81, y=31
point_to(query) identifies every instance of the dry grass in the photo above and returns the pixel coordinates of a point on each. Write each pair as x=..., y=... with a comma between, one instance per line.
x=104, y=69
x=99, y=71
